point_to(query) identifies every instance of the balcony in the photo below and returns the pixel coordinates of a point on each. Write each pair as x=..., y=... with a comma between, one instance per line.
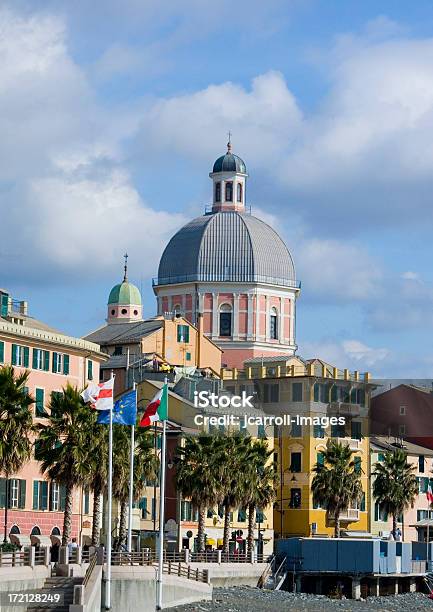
x=352, y=443
x=349, y=515
x=345, y=409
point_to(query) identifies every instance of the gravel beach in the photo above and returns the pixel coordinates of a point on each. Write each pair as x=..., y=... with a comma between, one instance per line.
x=246, y=599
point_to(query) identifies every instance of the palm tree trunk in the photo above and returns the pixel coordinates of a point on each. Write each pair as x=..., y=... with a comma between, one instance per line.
x=122, y=525
x=394, y=524
x=67, y=516
x=337, y=524
x=250, y=538
x=96, y=522
x=226, y=529
x=200, y=532
x=5, y=537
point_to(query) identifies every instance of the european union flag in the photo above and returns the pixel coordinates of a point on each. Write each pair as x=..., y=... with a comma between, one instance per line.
x=124, y=411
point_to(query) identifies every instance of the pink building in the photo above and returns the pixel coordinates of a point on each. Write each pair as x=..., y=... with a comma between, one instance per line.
x=53, y=359
x=234, y=269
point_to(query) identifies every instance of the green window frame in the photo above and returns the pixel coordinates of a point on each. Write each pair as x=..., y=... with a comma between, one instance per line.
x=20, y=355
x=357, y=465
x=2, y=352
x=242, y=515
x=261, y=433
x=4, y=305
x=86, y=501
x=183, y=333
x=320, y=459
x=41, y=360
x=295, y=462
x=39, y=403
x=89, y=369
x=188, y=356
x=40, y=495
x=319, y=431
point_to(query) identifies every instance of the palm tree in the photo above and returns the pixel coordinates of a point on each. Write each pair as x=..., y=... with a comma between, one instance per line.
x=395, y=486
x=337, y=481
x=146, y=466
x=260, y=480
x=16, y=426
x=98, y=464
x=197, y=476
x=63, y=446
x=232, y=450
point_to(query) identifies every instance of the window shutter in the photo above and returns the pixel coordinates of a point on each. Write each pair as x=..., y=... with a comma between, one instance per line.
x=40, y=402
x=66, y=364
x=62, y=498
x=376, y=511
x=90, y=369
x=2, y=352
x=2, y=492
x=22, y=493
x=36, y=495
x=44, y=495
x=26, y=351
x=14, y=354
x=316, y=392
x=46, y=361
x=35, y=358
x=54, y=367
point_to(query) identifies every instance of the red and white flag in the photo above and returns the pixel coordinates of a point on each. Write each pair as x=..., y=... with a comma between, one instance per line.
x=99, y=396
x=429, y=495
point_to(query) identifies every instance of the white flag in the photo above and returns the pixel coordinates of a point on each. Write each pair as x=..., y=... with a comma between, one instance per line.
x=99, y=396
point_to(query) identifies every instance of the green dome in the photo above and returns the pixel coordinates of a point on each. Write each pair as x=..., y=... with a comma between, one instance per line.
x=125, y=293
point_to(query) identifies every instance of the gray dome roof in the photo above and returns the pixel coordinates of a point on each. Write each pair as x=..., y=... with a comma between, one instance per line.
x=229, y=163
x=227, y=246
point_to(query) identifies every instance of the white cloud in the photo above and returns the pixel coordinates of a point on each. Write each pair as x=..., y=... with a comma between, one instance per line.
x=350, y=353
x=334, y=270
x=67, y=199
x=260, y=119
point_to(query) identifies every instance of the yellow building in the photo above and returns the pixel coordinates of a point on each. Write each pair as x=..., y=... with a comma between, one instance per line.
x=306, y=390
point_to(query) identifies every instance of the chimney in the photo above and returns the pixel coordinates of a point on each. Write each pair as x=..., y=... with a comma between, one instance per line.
x=23, y=307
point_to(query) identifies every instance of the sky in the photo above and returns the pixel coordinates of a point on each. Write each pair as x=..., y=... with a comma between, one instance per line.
x=112, y=114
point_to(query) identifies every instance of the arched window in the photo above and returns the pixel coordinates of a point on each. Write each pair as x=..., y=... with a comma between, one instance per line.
x=15, y=530
x=273, y=328
x=229, y=191
x=218, y=192
x=225, y=320
x=239, y=192
x=35, y=531
x=55, y=531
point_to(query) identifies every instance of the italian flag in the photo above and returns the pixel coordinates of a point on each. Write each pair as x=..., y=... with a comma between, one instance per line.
x=429, y=494
x=157, y=409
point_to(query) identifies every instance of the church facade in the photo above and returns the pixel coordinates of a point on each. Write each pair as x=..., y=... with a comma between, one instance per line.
x=231, y=273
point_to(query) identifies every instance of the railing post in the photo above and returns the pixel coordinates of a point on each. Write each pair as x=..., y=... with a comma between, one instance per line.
x=186, y=555
x=78, y=556
x=196, y=574
x=219, y=556
x=179, y=567
x=46, y=556
x=252, y=556
x=189, y=571
x=63, y=555
x=30, y=551
x=100, y=555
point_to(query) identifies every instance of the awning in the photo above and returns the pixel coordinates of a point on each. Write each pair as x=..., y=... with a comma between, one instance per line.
x=356, y=534
x=40, y=540
x=56, y=539
x=210, y=541
x=220, y=542
x=20, y=540
x=423, y=523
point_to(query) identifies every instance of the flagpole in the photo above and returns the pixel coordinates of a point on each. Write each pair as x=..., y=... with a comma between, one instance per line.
x=161, y=514
x=110, y=495
x=131, y=483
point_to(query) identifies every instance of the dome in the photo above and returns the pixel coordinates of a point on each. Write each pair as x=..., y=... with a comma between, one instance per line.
x=125, y=293
x=227, y=246
x=229, y=163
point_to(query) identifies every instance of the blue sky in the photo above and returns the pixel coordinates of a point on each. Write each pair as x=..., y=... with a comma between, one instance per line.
x=112, y=113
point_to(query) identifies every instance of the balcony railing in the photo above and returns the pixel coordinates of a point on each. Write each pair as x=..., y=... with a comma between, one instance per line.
x=352, y=443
